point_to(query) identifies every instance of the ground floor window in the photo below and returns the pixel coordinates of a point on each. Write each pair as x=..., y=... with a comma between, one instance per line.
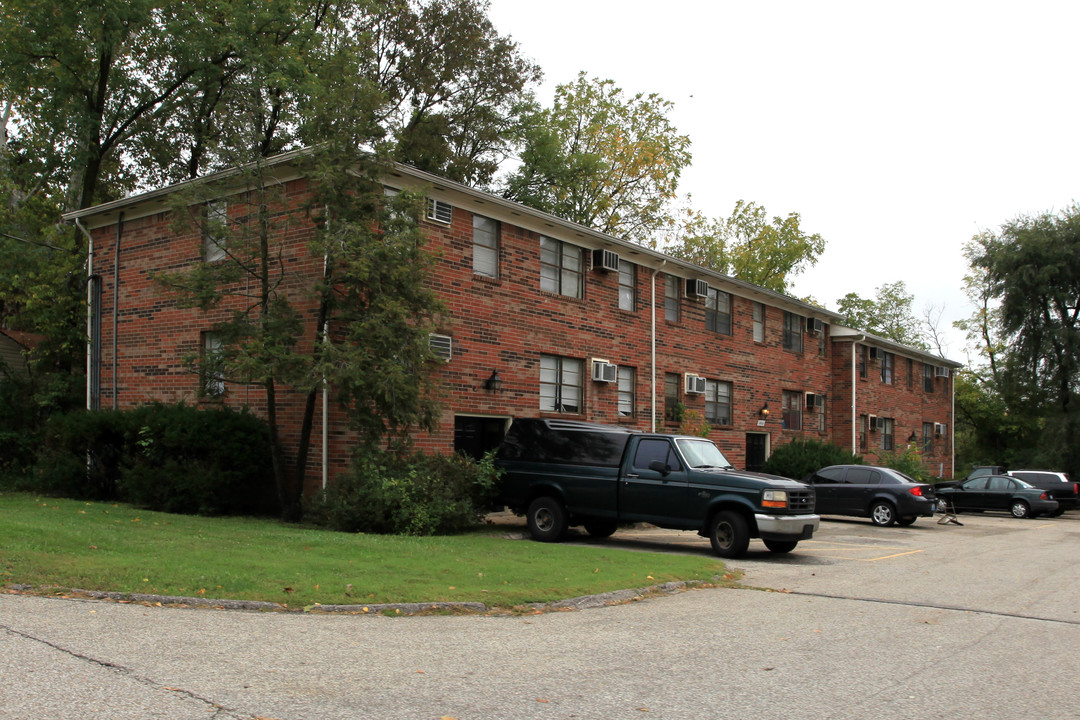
x=792, y=409
x=560, y=384
x=717, y=402
x=627, y=376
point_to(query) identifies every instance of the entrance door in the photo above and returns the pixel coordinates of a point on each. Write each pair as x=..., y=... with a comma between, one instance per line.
x=474, y=436
x=757, y=451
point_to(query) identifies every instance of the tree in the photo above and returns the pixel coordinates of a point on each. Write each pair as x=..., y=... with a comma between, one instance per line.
x=748, y=245
x=888, y=315
x=601, y=159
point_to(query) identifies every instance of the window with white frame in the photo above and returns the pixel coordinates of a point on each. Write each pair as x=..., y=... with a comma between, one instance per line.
x=793, y=332
x=759, y=322
x=887, y=367
x=485, y=246
x=717, y=402
x=215, y=230
x=627, y=377
x=627, y=285
x=791, y=407
x=561, y=268
x=211, y=370
x=718, y=312
x=561, y=387
x=671, y=298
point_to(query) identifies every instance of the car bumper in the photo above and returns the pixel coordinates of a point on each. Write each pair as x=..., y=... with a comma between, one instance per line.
x=787, y=527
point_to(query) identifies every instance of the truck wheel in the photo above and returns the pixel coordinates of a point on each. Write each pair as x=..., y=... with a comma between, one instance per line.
x=729, y=534
x=601, y=528
x=882, y=513
x=547, y=519
x=780, y=546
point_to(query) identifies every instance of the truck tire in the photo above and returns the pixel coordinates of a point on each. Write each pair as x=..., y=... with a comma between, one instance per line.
x=882, y=513
x=729, y=534
x=546, y=519
x=780, y=546
x=601, y=528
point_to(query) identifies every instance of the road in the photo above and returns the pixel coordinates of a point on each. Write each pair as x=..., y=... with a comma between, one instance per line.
x=929, y=621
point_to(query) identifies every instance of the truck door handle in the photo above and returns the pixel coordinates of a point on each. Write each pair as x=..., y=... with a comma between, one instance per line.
x=631, y=475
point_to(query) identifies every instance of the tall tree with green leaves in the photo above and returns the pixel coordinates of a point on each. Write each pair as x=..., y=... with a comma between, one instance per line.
x=748, y=245
x=602, y=159
x=889, y=314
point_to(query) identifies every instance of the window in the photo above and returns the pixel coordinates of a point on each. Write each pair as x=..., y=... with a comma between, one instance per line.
x=671, y=298
x=910, y=373
x=485, y=246
x=627, y=285
x=650, y=451
x=927, y=437
x=560, y=384
x=815, y=412
x=718, y=312
x=717, y=402
x=561, y=268
x=862, y=432
x=215, y=230
x=791, y=406
x=927, y=378
x=759, y=322
x=864, y=352
x=440, y=211
x=211, y=369
x=886, y=425
x=793, y=332
x=626, y=391
x=887, y=368
x=671, y=397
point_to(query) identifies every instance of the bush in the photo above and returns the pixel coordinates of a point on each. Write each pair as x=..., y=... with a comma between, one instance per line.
x=799, y=458
x=908, y=461
x=412, y=495
x=80, y=455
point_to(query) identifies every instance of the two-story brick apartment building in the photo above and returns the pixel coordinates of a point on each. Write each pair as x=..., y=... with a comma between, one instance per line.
x=544, y=318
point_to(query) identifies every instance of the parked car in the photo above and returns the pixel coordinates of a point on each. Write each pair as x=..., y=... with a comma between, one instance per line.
x=998, y=492
x=1058, y=484
x=884, y=495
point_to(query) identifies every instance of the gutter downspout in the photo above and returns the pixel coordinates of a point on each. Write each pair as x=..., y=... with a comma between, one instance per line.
x=325, y=396
x=89, y=314
x=952, y=427
x=652, y=341
x=116, y=313
x=854, y=415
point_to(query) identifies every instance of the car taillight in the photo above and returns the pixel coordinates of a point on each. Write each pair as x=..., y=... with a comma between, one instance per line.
x=916, y=491
x=1044, y=497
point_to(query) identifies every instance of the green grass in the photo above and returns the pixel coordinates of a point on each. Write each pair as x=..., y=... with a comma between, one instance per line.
x=49, y=542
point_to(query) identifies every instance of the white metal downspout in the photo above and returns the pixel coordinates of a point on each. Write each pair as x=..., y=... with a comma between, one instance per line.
x=325, y=384
x=854, y=411
x=952, y=428
x=89, y=313
x=652, y=341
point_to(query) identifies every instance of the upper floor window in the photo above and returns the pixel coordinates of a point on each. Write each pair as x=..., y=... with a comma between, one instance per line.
x=886, y=367
x=671, y=298
x=717, y=402
x=626, y=391
x=864, y=360
x=759, y=322
x=910, y=373
x=718, y=312
x=791, y=406
x=627, y=285
x=793, y=332
x=561, y=268
x=215, y=230
x=928, y=377
x=560, y=384
x=485, y=246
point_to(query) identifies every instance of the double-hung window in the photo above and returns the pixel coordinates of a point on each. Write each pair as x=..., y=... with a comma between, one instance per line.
x=485, y=246
x=759, y=322
x=793, y=332
x=717, y=402
x=211, y=369
x=887, y=433
x=561, y=267
x=627, y=285
x=791, y=409
x=560, y=384
x=927, y=437
x=671, y=396
x=887, y=368
x=928, y=377
x=626, y=391
x=671, y=298
x=718, y=312
x=215, y=230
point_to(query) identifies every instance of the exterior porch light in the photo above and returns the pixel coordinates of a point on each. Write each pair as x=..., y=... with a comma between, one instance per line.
x=493, y=383
x=764, y=411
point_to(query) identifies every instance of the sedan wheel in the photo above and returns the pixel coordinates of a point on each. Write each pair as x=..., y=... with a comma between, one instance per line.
x=883, y=514
x=1019, y=509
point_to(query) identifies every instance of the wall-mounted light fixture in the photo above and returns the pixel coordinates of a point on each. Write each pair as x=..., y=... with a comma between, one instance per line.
x=493, y=383
x=912, y=438
x=764, y=411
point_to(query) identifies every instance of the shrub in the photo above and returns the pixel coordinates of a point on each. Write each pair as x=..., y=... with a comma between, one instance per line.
x=412, y=495
x=799, y=458
x=908, y=461
x=80, y=455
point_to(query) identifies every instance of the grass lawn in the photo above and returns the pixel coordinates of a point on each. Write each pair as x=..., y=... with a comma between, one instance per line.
x=49, y=542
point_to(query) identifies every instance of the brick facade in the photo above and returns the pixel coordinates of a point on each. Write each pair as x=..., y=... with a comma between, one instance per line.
x=509, y=325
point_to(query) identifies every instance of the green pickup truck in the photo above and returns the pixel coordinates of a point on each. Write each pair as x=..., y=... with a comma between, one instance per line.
x=561, y=473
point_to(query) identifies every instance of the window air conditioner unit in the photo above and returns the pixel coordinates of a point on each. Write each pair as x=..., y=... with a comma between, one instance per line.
x=874, y=353
x=872, y=423
x=603, y=371
x=442, y=346
x=439, y=211
x=939, y=428
x=695, y=384
x=814, y=401
x=814, y=326
x=605, y=260
x=696, y=288
x=942, y=372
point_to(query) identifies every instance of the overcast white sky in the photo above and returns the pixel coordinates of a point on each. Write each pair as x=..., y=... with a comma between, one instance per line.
x=896, y=130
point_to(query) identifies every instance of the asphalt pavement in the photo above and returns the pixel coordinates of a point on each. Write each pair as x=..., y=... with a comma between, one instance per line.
x=928, y=621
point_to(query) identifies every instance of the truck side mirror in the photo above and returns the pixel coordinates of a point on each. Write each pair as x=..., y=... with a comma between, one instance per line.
x=660, y=466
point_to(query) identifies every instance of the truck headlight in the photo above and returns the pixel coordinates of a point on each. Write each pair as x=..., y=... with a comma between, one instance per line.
x=774, y=498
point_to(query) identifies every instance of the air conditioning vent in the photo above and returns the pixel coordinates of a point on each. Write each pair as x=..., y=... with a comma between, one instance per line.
x=603, y=371
x=605, y=260
x=696, y=288
x=941, y=372
x=814, y=326
x=442, y=346
x=939, y=428
x=695, y=384
x=440, y=211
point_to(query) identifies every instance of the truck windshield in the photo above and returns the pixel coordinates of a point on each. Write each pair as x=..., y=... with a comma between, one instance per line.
x=702, y=453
